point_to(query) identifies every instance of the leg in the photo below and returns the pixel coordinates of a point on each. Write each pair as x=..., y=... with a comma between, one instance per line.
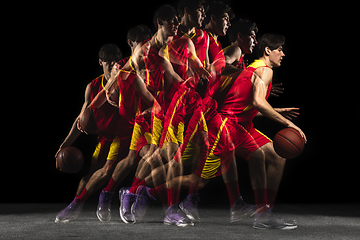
x=274, y=171
x=258, y=177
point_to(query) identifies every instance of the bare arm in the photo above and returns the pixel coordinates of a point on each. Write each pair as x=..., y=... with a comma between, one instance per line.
x=260, y=86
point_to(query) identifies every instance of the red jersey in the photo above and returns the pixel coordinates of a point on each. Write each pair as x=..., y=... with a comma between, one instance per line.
x=200, y=38
x=129, y=101
x=241, y=63
x=216, y=54
x=237, y=104
x=155, y=79
x=108, y=120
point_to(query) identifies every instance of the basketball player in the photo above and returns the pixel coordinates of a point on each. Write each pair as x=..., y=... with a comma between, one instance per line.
x=183, y=105
x=121, y=128
x=161, y=79
x=109, y=144
x=246, y=97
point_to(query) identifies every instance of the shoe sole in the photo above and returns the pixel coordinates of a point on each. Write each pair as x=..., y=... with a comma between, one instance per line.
x=265, y=227
x=179, y=225
x=101, y=220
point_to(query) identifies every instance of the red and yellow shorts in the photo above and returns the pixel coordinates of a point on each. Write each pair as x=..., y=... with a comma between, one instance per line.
x=141, y=135
x=225, y=138
x=110, y=149
x=260, y=139
x=178, y=115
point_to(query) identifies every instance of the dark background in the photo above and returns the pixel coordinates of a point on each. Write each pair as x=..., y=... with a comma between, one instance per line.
x=56, y=57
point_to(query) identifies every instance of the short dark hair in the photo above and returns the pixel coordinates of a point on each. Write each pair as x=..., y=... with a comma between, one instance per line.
x=218, y=9
x=243, y=26
x=272, y=41
x=110, y=52
x=191, y=4
x=139, y=33
x=165, y=12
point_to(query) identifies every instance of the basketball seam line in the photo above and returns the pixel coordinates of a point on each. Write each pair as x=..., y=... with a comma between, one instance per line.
x=290, y=142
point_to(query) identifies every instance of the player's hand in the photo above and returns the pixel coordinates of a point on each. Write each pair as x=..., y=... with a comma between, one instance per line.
x=108, y=98
x=288, y=113
x=276, y=89
x=203, y=73
x=299, y=130
x=79, y=127
x=147, y=112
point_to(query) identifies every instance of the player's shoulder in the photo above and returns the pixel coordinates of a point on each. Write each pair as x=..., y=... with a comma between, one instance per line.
x=96, y=80
x=265, y=73
x=232, y=50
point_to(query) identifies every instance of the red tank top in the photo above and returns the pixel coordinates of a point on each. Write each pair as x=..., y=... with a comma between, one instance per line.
x=107, y=117
x=238, y=101
x=129, y=101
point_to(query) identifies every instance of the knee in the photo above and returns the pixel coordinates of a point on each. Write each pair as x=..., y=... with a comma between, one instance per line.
x=154, y=160
x=257, y=156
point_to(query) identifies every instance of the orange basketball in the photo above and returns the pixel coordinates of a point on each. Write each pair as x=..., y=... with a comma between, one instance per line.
x=288, y=143
x=70, y=160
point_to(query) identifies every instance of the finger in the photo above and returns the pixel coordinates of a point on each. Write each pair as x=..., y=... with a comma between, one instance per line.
x=278, y=88
x=294, y=113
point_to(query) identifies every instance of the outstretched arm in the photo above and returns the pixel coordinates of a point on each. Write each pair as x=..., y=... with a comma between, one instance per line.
x=260, y=86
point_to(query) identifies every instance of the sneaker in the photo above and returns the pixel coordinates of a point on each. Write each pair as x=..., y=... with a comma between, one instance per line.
x=190, y=207
x=103, y=211
x=71, y=212
x=174, y=216
x=267, y=220
x=241, y=210
x=143, y=201
x=126, y=201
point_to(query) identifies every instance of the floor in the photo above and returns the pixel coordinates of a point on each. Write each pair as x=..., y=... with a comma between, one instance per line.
x=315, y=221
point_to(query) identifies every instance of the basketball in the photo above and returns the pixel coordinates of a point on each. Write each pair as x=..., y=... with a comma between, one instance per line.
x=87, y=122
x=70, y=160
x=288, y=143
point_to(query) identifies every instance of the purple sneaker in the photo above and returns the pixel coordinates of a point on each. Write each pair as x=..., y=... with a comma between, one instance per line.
x=189, y=206
x=103, y=211
x=126, y=201
x=143, y=201
x=174, y=216
x=71, y=212
x=241, y=210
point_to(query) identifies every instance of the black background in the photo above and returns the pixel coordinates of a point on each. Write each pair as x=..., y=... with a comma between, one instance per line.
x=54, y=55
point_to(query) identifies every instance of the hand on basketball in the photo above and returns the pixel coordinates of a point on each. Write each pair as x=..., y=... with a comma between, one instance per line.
x=299, y=130
x=276, y=90
x=288, y=113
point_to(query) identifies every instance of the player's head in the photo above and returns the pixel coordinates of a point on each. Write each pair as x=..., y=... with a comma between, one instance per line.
x=219, y=15
x=109, y=54
x=166, y=18
x=270, y=46
x=243, y=32
x=193, y=10
x=137, y=35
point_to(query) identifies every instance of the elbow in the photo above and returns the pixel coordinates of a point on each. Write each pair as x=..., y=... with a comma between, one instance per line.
x=258, y=105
